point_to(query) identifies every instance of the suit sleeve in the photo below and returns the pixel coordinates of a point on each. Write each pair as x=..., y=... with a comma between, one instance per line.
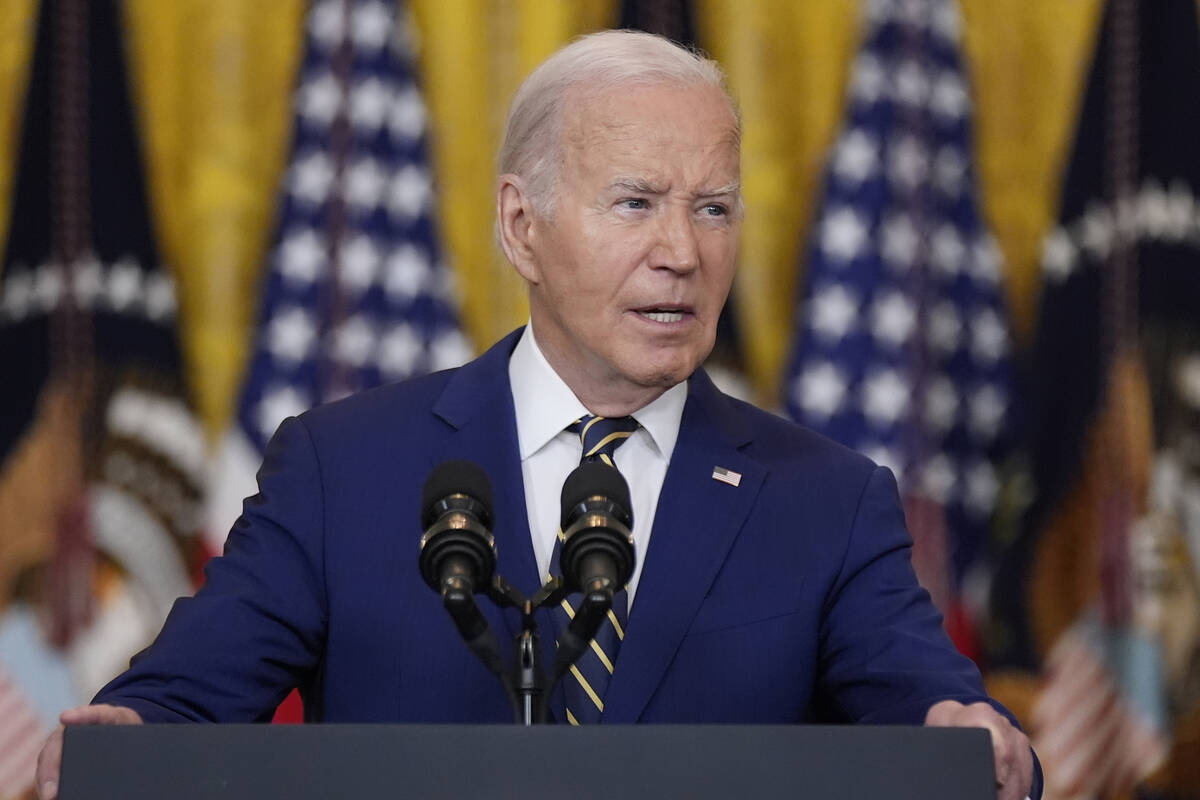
x=884, y=655
x=256, y=629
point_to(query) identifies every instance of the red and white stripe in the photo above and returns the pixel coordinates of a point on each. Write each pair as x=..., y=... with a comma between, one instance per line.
x=1088, y=736
x=21, y=737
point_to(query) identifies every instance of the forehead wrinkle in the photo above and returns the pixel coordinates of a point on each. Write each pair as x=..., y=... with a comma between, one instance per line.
x=586, y=129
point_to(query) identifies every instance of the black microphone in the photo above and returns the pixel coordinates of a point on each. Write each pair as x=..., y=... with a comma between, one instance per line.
x=458, y=551
x=597, y=554
x=597, y=550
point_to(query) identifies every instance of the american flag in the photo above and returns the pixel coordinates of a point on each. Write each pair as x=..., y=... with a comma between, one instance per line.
x=1114, y=425
x=902, y=345
x=21, y=738
x=356, y=293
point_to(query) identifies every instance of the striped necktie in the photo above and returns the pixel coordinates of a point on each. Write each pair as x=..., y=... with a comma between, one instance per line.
x=585, y=685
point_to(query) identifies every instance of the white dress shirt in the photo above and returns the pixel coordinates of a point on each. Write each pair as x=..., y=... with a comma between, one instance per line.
x=545, y=406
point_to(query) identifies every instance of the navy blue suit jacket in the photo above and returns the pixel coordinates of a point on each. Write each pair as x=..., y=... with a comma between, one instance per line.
x=788, y=598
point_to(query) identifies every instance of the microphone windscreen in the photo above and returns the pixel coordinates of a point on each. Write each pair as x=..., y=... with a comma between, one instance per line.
x=455, y=477
x=591, y=479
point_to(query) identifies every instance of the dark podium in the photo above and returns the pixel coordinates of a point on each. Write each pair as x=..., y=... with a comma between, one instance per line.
x=188, y=762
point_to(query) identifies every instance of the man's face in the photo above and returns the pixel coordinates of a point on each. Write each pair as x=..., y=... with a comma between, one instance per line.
x=629, y=273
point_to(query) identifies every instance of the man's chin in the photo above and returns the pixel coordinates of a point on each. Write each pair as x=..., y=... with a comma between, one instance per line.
x=667, y=375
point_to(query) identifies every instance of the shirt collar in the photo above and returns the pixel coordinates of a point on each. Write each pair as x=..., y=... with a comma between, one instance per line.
x=545, y=405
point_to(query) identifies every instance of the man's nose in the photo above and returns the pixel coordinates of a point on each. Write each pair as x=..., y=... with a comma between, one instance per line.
x=678, y=248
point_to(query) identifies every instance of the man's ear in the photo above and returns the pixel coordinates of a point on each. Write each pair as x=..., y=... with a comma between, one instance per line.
x=514, y=223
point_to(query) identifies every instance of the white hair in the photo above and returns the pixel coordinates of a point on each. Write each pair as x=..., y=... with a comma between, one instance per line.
x=533, y=148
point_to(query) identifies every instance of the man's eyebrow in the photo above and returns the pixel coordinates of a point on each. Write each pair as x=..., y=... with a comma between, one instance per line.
x=643, y=186
x=638, y=185
x=729, y=188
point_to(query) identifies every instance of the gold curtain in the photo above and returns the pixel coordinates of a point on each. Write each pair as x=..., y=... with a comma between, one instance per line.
x=17, y=21
x=214, y=80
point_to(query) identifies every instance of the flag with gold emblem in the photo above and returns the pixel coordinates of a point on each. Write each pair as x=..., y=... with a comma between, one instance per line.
x=1099, y=599
x=101, y=459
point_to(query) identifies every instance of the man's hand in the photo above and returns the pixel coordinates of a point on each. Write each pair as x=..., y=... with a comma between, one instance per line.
x=50, y=759
x=1014, y=759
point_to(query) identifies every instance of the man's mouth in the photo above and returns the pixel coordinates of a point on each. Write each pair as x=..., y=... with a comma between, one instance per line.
x=664, y=314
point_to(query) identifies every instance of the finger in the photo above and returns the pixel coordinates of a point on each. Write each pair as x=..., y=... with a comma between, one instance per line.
x=48, y=763
x=1024, y=766
x=942, y=714
x=100, y=715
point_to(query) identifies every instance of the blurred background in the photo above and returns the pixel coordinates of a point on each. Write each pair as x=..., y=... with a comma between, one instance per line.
x=971, y=250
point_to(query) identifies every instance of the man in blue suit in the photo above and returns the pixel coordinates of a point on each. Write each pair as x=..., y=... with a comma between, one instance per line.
x=775, y=584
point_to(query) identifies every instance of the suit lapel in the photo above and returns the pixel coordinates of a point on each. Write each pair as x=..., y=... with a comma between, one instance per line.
x=695, y=524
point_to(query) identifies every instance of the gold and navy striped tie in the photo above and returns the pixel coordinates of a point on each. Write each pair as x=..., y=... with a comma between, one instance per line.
x=585, y=685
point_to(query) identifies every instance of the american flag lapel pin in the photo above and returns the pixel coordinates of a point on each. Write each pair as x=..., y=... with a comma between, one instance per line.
x=727, y=476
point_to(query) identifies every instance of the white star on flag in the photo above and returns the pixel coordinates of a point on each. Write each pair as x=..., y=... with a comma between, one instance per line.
x=939, y=477
x=911, y=83
x=320, y=99
x=821, y=390
x=989, y=337
x=834, y=311
x=326, y=24
x=885, y=397
x=986, y=265
x=360, y=264
x=844, y=234
x=950, y=96
x=941, y=404
x=900, y=242
x=893, y=319
x=982, y=487
x=407, y=116
x=450, y=349
x=312, y=178
x=290, y=335
x=949, y=171
x=354, y=341
x=857, y=157
x=279, y=404
x=301, y=257
x=365, y=182
x=947, y=251
x=945, y=327
x=371, y=23
x=400, y=350
x=408, y=271
x=369, y=105
x=869, y=79
x=410, y=193
x=987, y=407
x=908, y=163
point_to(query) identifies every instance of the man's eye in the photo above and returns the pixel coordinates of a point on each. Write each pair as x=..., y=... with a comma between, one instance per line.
x=716, y=210
x=635, y=203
